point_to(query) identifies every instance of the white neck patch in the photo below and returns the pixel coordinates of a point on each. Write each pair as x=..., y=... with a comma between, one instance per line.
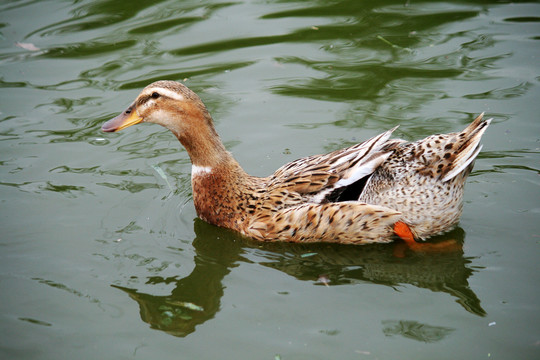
x=200, y=170
x=166, y=92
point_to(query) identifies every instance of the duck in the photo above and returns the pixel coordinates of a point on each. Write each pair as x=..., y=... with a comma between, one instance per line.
x=372, y=192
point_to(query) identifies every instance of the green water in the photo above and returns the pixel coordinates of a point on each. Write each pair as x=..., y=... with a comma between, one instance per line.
x=101, y=253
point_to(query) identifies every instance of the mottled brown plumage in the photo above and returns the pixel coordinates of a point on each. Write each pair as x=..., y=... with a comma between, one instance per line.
x=354, y=195
x=425, y=180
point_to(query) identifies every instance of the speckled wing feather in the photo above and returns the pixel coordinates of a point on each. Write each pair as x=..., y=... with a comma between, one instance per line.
x=347, y=222
x=316, y=176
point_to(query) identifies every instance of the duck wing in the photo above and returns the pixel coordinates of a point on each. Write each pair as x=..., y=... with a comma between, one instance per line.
x=348, y=222
x=322, y=178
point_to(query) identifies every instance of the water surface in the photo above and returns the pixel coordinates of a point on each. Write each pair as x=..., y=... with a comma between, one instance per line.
x=102, y=255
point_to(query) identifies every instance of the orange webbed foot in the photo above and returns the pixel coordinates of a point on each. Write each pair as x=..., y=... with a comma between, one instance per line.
x=404, y=232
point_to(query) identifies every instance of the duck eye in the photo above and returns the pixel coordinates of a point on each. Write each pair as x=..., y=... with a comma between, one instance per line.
x=155, y=95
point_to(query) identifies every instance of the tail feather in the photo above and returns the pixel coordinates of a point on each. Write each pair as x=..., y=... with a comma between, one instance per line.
x=477, y=121
x=467, y=149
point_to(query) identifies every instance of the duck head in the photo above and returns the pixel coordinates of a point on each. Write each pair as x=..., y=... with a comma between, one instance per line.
x=176, y=107
x=167, y=103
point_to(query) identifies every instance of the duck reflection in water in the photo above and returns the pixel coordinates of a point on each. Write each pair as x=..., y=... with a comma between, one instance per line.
x=196, y=298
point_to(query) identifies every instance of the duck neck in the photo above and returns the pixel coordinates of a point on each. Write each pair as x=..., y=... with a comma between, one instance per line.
x=218, y=181
x=206, y=150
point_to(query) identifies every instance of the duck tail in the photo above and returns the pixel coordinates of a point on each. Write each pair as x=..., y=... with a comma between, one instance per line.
x=466, y=146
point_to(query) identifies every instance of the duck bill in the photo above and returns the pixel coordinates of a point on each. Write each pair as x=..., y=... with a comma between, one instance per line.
x=127, y=118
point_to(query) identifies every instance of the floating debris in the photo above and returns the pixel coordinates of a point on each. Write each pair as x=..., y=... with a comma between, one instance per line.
x=308, y=254
x=324, y=279
x=167, y=313
x=362, y=352
x=27, y=46
x=493, y=323
x=187, y=305
x=34, y=321
x=392, y=45
x=161, y=173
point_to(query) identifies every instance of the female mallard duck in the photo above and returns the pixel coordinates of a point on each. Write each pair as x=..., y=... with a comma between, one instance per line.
x=362, y=194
